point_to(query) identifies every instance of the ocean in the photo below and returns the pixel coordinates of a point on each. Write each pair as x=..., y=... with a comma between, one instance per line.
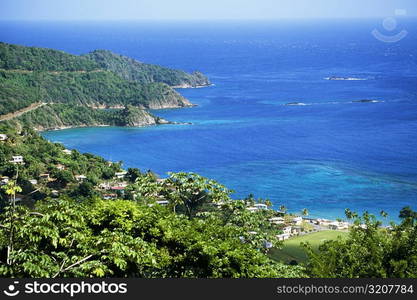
x=329, y=152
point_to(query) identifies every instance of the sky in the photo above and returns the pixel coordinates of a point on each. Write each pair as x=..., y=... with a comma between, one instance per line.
x=197, y=9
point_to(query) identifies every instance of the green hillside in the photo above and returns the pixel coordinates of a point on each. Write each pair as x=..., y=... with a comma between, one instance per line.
x=101, y=79
x=134, y=70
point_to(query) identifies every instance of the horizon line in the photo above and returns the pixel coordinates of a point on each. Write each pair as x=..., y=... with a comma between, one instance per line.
x=205, y=20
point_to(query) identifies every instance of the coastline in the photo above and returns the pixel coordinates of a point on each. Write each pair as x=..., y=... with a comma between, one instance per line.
x=108, y=125
x=188, y=86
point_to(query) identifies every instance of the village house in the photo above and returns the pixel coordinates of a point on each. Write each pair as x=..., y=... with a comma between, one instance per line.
x=17, y=159
x=339, y=225
x=163, y=202
x=257, y=206
x=323, y=222
x=3, y=137
x=120, y=175
x=4, y=180
x=104, y=186
x=287, y=229
x=80, y=177
x=276, y=220
x=54, y=193
x=286, y=234
x=261, y=206
x=252, y=209
x=297, y=221
x=295, y=230
x=283, y=236
x=109, y=196
x=118, y=188
x=120, y=185
x=67, y=151
x=60, y=167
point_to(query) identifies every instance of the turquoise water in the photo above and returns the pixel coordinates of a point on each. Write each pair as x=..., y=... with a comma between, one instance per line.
x=327, y=155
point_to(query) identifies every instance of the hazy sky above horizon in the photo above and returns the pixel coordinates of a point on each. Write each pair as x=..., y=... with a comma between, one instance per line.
x=194, y=9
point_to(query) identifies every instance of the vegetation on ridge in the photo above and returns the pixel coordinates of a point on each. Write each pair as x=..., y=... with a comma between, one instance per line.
x=100, y=79
x=134, y=70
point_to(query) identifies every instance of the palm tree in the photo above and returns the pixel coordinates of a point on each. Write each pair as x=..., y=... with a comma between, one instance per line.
x=304, y=212
x=282, y=208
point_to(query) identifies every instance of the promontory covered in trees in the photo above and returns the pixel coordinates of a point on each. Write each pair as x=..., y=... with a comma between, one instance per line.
x=50, y=89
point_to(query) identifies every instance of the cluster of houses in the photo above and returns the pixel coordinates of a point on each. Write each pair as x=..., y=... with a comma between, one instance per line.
x=289, y=228
x=111, y=189
x=334, y=225
x=292, y=225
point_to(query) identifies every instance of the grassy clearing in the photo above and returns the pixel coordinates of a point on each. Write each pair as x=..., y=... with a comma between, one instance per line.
x=292, y=250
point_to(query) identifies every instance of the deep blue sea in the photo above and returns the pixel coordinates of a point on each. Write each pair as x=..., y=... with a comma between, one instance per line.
x=327, y=155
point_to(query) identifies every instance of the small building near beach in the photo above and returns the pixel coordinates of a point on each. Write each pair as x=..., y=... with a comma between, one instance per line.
x=297, y=221
x=283, y=236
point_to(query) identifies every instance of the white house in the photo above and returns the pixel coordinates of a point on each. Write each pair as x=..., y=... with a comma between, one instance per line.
x=276, y=220
x=257, y=206
x=120, y=175
x=297, y=221
x=287, y=229
x=260, y=206
x=283, y=236
x=339, y=225
x=3, y=137
x=109, y=196
x=80, y=177
x=17, y=159
x=296, y=230
x=323, y=222
x=252, y=209
x=163, y=202
x=55, y=193
x=67, y=151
